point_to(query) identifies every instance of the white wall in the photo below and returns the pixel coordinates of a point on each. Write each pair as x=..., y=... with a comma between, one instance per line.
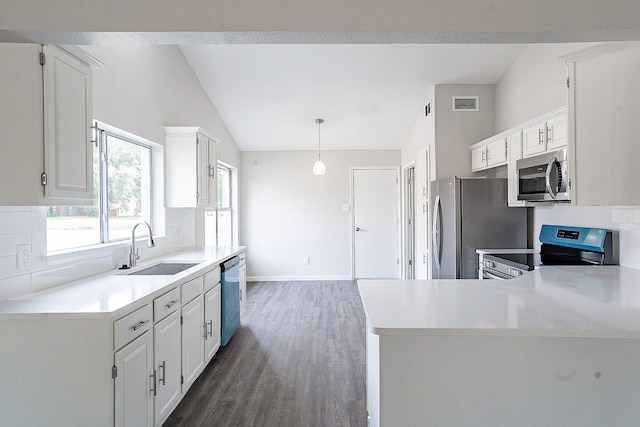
x=535, y=84
x=141, y=89
x=288, y=213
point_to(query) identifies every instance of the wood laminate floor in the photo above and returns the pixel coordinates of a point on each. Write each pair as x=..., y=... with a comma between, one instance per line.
x=298, y=359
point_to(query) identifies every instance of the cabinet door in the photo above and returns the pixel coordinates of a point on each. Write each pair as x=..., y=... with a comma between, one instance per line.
x=534, y=140
x=167, y=350
x=192, y=341
x=20, y=124
x=497, y=152
x=479, y=158
x=68, y=115
x=514, y=142
x=135, y=383
x=212, y=309
x=557, y=132
x=204, y=170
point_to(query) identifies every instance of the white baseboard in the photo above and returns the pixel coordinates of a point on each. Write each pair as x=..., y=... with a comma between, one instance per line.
x=294, y=278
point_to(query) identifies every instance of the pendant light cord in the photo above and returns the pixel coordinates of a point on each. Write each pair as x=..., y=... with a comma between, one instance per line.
x=319, y=122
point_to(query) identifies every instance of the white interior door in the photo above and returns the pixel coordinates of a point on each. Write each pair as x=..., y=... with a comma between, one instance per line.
x=375, y=222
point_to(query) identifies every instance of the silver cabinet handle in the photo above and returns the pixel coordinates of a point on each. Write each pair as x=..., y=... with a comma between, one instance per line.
x=540, y=137
x=154, y=389
x=210, y=332
x=483, y=155
x=139, y=325
x=240, y=294
x=205, y=330
x=172, y=303
x=164, y=375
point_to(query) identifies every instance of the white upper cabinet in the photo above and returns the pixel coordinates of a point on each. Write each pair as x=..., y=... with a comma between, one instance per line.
x=45, y=127
x=548, y=134
x=489, y=153
x=514, y=142
x=479, y=157
x=191, y=168
x=603, y=148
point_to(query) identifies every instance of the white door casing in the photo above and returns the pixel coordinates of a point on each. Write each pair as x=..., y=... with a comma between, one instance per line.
x=375, y=215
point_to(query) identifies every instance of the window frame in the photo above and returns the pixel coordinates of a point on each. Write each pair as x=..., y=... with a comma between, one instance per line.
x=230, y=207
x=102, y=133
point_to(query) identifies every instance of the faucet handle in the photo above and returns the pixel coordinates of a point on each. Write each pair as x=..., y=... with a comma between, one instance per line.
x=137, y=254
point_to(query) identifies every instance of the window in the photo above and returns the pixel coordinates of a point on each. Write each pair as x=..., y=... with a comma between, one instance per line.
x=219, y=223
x=121, y=195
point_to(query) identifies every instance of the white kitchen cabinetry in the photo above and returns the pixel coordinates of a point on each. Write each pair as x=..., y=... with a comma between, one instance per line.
x=514, y=142
x=212, y=310
x=45, y=126
x=489, y=153
x=191, y=168
x=549, y=134
x=193, y=333
x=212, y=314
x=105, y=351
x=168, y=358
x=135, y=378
x=603, y=147
x=479, y=157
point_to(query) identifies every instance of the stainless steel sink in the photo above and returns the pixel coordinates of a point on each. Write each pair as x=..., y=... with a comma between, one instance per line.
x=163, y=269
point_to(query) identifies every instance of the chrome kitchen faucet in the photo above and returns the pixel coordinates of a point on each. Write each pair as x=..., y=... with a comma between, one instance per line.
x=133, y=255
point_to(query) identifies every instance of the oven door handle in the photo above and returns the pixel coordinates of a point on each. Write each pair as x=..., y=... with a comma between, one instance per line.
x=495, y=275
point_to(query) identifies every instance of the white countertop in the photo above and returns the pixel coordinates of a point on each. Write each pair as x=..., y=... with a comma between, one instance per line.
x=567, y=301
x=106, y=294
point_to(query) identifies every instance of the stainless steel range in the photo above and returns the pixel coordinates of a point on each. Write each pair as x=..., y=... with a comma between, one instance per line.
x=560, y=245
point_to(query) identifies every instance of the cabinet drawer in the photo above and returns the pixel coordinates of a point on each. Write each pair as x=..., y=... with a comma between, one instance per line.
x=132, y=326
x=211, y=279
x=191, y=289
x=166, y=304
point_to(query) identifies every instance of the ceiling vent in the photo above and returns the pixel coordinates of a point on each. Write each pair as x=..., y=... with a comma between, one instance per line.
x=465, y=103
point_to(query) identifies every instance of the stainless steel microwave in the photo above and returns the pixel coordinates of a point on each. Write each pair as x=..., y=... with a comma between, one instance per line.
x=544, y=178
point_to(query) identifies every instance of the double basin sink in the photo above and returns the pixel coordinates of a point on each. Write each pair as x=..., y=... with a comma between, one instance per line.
x=163, y=269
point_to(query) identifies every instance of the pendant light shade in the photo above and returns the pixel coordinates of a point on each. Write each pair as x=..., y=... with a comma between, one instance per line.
x=318, y=167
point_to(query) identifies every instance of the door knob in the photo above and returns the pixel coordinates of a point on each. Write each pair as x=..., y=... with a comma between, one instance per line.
x=357, y=228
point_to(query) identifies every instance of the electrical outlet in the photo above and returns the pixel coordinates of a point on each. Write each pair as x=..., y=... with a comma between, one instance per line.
x=22, y=257
x=306, y=260
x=346, y=208
x=178, y=231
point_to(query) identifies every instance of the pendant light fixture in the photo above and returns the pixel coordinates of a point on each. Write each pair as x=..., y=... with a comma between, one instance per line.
x=318, y=167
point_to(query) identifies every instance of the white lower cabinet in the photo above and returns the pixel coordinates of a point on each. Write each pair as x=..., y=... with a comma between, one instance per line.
x=167, y=352
x=212, y=320
x=193, y=333
x=101, y=370
x=135, y=383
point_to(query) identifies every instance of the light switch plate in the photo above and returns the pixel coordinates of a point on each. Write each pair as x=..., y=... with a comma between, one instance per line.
x=346, y=208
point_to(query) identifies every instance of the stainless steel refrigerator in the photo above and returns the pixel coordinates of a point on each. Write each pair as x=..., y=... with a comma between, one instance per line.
x=470, y=214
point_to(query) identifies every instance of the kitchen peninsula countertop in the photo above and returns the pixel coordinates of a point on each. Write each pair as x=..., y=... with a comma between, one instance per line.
x=109, y=294
x=566, y=301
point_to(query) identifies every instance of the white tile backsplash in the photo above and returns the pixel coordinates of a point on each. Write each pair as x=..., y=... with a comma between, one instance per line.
x=27, y=226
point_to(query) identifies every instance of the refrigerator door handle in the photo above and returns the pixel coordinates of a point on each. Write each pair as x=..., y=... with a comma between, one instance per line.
x=436, y=230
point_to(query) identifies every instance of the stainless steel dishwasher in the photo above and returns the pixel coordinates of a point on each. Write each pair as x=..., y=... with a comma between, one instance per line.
x=230, y=283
